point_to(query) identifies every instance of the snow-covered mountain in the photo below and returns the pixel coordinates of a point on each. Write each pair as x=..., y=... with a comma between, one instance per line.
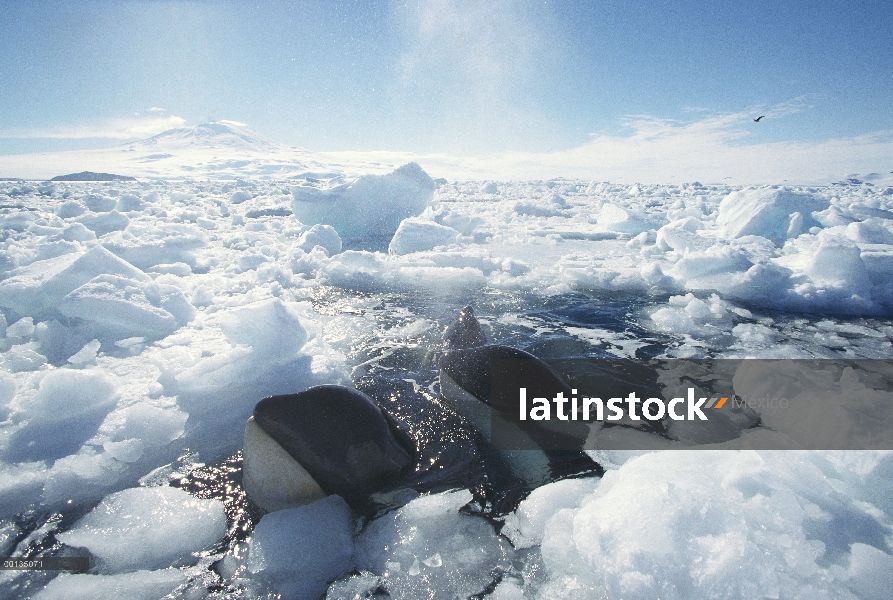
x=225, y=134
x=221, y=150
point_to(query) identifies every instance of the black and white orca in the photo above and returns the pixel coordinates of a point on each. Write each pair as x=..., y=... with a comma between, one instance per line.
x=482, y=381
x=299, y=448
x=329, y=439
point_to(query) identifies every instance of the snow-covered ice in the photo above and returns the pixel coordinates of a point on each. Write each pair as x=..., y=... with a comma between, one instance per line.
x=414, y=235
x=137, y=585
x=428, y=545
x=141, y=321
x=147, y=528
x=737, y=525
x=281, y=556
x=368, y=208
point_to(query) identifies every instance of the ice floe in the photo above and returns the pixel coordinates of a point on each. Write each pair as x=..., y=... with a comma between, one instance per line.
x=141, y=321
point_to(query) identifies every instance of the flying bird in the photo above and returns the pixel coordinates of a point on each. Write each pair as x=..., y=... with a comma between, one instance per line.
x=757, y=120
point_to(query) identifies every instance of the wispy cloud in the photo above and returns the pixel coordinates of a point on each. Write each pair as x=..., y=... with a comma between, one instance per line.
x=127, y=128
x=483, y=43
x=715, y=148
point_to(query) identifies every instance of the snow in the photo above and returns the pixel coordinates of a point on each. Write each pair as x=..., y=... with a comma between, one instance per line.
x=65, y=410
x=70, y=209
x=98, y=203
x=146, y=245
x=429, y=547
x=149, y=528
x=323, y=236
x=86, y=354
x=239, y=197
x=139, y=585
x=43, y=284
x=770, y=213
x=281, y=556
x=702, y=522
x=128, y=307
x=141, y=322
x=371, y=206
x=415, y=235
x=262, y=356
x=104, y=222
x=615, y=218
x=526, y=526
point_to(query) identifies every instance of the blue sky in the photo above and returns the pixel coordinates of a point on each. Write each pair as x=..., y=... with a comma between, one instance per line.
x=448, y=76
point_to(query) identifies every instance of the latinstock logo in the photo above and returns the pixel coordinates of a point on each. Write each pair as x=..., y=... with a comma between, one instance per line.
x=618, y=408
x=625, y=404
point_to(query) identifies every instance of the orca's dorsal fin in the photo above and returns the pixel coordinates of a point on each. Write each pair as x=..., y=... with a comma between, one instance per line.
x=465, y=332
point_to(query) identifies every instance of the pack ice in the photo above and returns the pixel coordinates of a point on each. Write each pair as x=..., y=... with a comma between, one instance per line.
x=106, y=293
x=371, y=206
x=141, y=322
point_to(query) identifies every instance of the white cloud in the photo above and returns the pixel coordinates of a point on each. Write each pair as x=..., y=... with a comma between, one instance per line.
x=713, y=149
x=232, y=123
x=129, y=128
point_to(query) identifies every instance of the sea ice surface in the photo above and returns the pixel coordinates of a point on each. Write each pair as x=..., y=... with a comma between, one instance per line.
x=55, y=419
x=43, y=284
x=684, y=524
x=138, y=585
x=148, y=528
x=372, y=205
x=428, y=547
x=414, y=235
x=141, y=321
x=298, y=550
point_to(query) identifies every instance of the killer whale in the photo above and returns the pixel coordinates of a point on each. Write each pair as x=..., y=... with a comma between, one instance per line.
x=481, y=382
x=465, y=332
x=388, y=436
x=338, y=442
x=362, y=444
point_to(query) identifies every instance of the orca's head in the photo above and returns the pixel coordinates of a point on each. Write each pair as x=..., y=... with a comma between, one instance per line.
x=326, y=440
